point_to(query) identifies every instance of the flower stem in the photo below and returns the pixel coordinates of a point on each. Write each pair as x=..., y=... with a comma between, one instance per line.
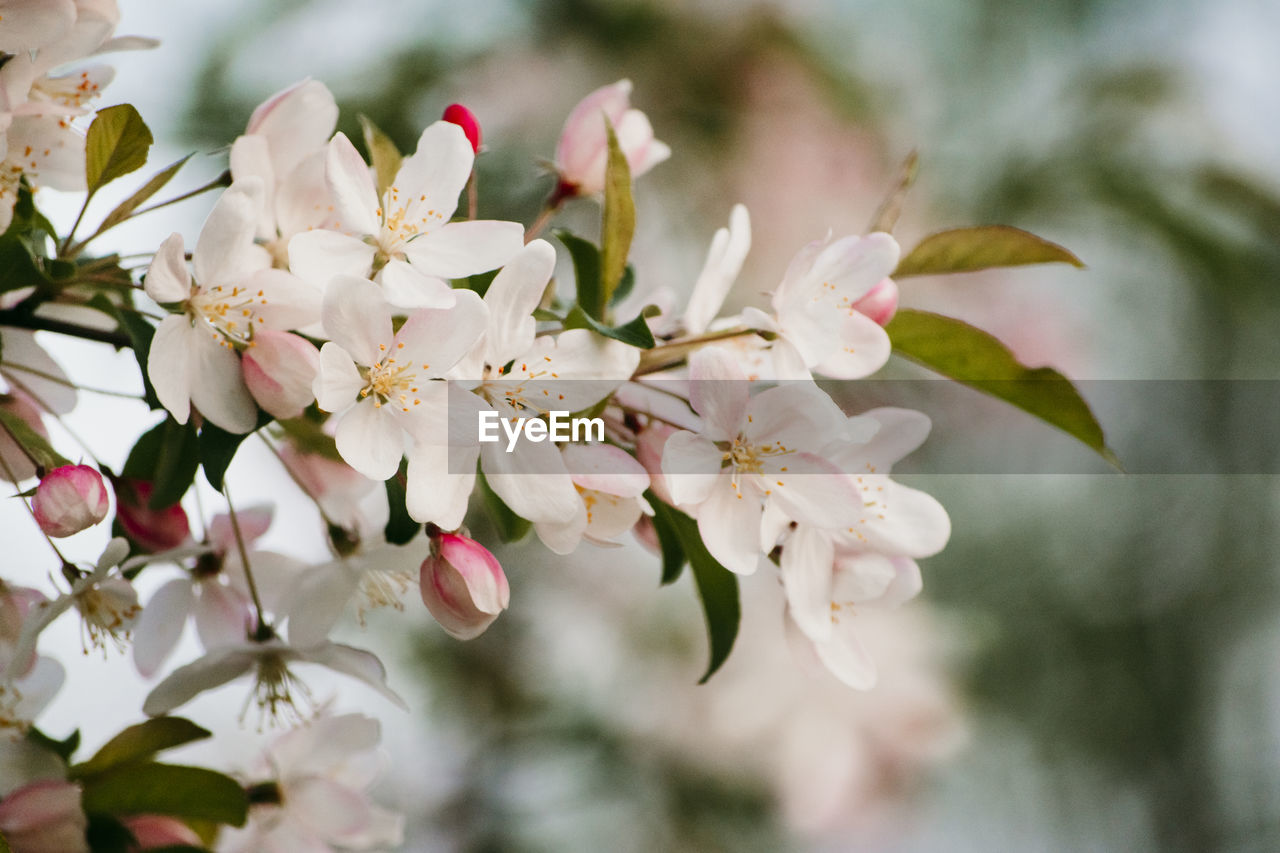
x=244, y=559
x=674, y=352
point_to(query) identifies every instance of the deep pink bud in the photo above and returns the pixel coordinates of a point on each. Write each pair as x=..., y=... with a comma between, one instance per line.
x=880, y=302
x=151, y=530
x=70, y=499
x=155, y=831
x=463, y=586
x=278, y=370
x=465, y=119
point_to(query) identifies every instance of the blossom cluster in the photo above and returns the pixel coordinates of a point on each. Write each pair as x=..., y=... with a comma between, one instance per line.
x=352, y=317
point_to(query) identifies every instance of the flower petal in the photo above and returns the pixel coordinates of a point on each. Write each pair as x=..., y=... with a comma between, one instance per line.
x=357, y=663
x=351, y=185
x=357, y=318
x=222, y=616
x=317, y=256
x=729, y=523
x=718, y=392
x=531, y=480
x=724, y=261
x=807, y=576
x=224, y=252
x=168, y=365
x=167, y=278
x=338, y=383
x=217, y=385
x=406, y=287
x=691, y=467
x=186, y=682
x=511, y=298
x=433, y=340
x=158, y=628
x=370, y=440
x=459, y=249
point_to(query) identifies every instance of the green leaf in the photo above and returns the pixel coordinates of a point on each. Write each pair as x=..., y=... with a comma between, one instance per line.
x=167, y=456
x=166, y=789
x=218, y=447
x=479, y=282
x=309, y=437
x=117, y=144
x=33, y=442
x=636, y=332
x=717, y=586
x=140, y=742
x=64, y=748
x=673, y=558
x=586, y=269
x=140, y=332
x=382, y=152
x=401, y=527
x=4, y=845
x=980, y=248
x=511, y=527
x=150, y=188
x=972, y=357
x=625, y=286
x=618, y=224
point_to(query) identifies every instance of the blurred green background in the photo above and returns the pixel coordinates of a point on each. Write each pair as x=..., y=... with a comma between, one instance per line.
x=1107, y=643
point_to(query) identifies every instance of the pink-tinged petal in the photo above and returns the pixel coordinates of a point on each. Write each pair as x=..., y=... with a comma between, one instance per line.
x=319, y=745
x=357, y=318
x=863, y=349
x=370, y=440
x=796, y=415
x=880, y=303
x=251, y=158
x=786, y=364
x=222, y=616
x=37, y=688
x=596, y=364
x=217, y=386
x=186, y=682
x=811, y=490
x=512, y=297
x=329, y=810
x=580, y=149
x=302, y=199
x=69, y=499
x=691, y=468
x=167, y=278
x=384, y=829
x=718, y=392
x=463, y=586
x=609, y=516
x=845, y=657
x=157, y=831
x=901, y=431
x=318, y=601
x=459, y=249
x=223, y=253
x=906, y=583
x=433, y=340
x=357, y=663
x=440, y=481
x=531, y=480
x=276, y=576
x=279, y=371
x=861, y=578
x=318, y=256
x=855, y=265
x=425, y=191
x=168, y=364
x=338, y=383
x=32, y=24
x=724, y=261
x=254, y=522
x=807, y=564
x=295, y=122
x=605, y=468
x=351, y=185
x=157, y=630
x=405, y=287
x=44, y=817
x=635, y=138
x=729, y=523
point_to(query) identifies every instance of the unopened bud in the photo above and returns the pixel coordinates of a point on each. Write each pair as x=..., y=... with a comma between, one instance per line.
x=465, y=119
x=880, y=302
x=279, y=369
x=463, y=586
x=152, y=530
x=153, y=832
x=70, y=499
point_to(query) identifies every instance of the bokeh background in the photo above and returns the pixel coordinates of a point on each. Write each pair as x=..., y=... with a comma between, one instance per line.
x=1095, y=661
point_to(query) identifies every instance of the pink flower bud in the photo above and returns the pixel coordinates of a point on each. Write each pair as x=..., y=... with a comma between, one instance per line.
x=583, y=150
x=44, y=817
x=154, y=831
x=463, y=586
x=70, y=499
x=18, y=403
x=150, y=529
x=465, y=119
x=278, y=369
x=880, y=302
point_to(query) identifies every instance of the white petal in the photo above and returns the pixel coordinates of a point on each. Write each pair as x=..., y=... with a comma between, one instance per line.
x=724, y=261
x=691, y=466
x=811, y=490
x=429, y=181
x=861, y=578
x=901, y=431
x=406, y=287
x=284, y=301
x=167, y=278
x=563, y=537
x=357, y=318
x=352, y=188
x=32, y=24
x=902, y=521
x=864, y=348
x=370, y=440
x=222, y=616
x=512, y=296
x=317, y=256
x=224, y=252
x=460, y=249
x=729, y=522
x=846, y=658
x=605, y=468
x=41, y=376
x=158, y=628
x=338, y=382
x=434, y=492
x=295, y=122
x=327, y=809
x=186, y=682
x=217, y=385
x=531, y=480
x=808, y=559
x=433, y=340
x=168, y=365
x=318, y=601
x=250, y=157
x=357, y=663
x=718, y=392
